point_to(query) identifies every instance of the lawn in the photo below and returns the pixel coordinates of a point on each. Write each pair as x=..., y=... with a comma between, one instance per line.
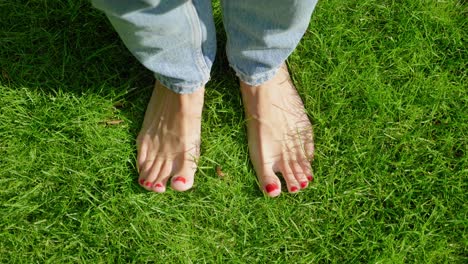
x=384, y=83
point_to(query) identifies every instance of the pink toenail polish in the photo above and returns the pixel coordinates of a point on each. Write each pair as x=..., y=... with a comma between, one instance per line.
x=148, y=184
x=142, y=181
x=271, y=187
x=293, y=189
x=310, y=177
x=180, y=178
x=303, y=184
x=158, y=185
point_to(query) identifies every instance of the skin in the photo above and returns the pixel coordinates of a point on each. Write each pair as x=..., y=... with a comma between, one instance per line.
x=279, y=134
x=169, y=141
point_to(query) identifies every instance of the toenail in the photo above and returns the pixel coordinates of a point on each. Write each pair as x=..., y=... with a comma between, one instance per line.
x=271, y=187
x=148, y=184
x=310, y=178
x=158, y=185
x=293, y=189
x=142, y=181
x=180, y=178
x=303, y=184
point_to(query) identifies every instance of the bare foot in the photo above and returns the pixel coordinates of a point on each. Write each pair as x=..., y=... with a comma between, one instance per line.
x=169, y=141
x=279, y=134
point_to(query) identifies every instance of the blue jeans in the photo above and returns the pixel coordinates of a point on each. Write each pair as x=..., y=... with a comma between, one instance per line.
x=176, y=39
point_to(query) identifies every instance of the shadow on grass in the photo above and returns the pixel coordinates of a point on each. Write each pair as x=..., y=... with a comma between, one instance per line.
x=52, y=46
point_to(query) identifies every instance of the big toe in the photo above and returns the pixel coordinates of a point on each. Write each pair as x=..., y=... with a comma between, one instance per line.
x=183, y=179
x=270, y=183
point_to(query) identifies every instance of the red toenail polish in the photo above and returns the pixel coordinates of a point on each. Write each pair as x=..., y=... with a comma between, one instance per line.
x=180, y=178
x=293, y=189
x=148, y=184
x=142, y=181
x=310, y=178
x=271, y=187
x=303, y=184
x=158, y=185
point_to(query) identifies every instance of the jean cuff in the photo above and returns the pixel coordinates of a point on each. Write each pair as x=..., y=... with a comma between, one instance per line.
x=180, y=88
x=256, y=79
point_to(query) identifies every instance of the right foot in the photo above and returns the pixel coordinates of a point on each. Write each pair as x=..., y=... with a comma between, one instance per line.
x=169, y=141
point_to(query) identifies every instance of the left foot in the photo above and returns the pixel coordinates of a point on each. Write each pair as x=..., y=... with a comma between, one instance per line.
x=279, y=134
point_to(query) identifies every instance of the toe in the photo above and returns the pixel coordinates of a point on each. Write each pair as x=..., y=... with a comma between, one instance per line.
x=272, y=189
x=142, y=148
x=307, y=169
x=269, y=182
x=182, y=182
x=159, y=187
x=152, y=175
x=145, y=170
x=159, y=184
x=299, y=174
x=183, y=179
x=288, y=175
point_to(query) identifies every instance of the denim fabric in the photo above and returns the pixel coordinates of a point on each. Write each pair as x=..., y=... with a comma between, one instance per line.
x=175, y=39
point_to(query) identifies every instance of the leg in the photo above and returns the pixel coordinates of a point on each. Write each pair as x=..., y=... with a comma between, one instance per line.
x=176, y=41
x=261, y=35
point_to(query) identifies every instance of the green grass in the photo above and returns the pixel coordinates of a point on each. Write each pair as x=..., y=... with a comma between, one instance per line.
x=385, y=83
